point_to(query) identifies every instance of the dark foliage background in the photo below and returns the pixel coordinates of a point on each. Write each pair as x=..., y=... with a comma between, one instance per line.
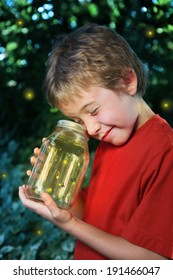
x=27, y=30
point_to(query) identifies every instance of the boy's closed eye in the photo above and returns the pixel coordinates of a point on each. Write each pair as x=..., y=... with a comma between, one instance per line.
x=79, y=121
x=94, y=112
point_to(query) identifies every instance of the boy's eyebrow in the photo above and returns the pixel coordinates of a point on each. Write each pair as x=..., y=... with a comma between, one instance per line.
x=86, y=105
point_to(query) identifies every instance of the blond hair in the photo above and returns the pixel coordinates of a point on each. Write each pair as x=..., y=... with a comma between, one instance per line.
x=92, y=55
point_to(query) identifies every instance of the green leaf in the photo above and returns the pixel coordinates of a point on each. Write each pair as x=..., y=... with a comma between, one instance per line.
x=93, y=9
x=2, y=237
x=6, y=249
x=11, y=46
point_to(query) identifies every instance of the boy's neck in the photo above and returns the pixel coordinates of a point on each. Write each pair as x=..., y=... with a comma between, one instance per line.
x=144, y=113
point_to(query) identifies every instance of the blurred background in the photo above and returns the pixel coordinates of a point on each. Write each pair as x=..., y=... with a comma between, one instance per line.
x=27, y=30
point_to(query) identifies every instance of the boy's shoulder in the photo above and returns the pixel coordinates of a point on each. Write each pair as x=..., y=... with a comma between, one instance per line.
x=150, y=145
x=155, y=136
x=153, y=140
x=159, y=129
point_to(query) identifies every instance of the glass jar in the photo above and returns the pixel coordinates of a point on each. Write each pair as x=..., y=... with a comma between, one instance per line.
x=61, y=164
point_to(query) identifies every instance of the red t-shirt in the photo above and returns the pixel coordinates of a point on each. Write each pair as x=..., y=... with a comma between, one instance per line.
x=131, y=190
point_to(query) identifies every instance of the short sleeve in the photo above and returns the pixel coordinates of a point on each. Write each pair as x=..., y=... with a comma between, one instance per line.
x=151, y=225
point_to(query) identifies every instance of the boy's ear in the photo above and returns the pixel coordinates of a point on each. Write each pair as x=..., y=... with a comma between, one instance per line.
x=130, y=81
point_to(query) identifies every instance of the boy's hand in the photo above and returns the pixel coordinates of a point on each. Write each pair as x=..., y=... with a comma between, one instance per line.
x=48, y=209
x=34, y=158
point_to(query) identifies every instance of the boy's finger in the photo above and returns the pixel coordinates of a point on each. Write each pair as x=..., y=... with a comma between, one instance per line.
x=33, y=160
x=48, y=201
x=28, y=172
x=60, y=215
x=52, y=206
x=29, y=203
x=22, y=196
x=36, y=151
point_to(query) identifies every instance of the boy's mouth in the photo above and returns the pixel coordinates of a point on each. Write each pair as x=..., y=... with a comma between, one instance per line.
x=106, y=134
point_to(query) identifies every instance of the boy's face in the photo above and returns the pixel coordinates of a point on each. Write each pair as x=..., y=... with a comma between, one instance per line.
x=107, y=116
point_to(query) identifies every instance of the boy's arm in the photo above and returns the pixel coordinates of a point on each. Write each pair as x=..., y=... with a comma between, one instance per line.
x=112, y=247
x=78, y=208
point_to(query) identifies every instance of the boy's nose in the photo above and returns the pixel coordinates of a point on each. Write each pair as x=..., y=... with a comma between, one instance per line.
x=93, y=128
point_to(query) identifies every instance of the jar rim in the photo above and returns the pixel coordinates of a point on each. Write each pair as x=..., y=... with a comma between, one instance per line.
x=76, y=126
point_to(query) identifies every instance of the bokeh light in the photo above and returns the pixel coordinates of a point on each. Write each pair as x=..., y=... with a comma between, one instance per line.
x=39, y=232
x=3, y=175
x=167, y=105
x=150, y=32
x=20, y=22
x=29, y=94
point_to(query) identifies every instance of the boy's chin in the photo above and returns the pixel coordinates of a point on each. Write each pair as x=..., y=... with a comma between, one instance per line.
x=119, y=140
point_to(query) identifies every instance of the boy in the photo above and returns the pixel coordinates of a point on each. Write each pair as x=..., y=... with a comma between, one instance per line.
x=95, y=78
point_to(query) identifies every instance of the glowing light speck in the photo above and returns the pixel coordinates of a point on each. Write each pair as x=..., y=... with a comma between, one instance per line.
x=167, y=105
x=20, y=22
x=29, y=94
x=49, y=190
x=150, y=32
x=3, y=175
x=39, y=232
